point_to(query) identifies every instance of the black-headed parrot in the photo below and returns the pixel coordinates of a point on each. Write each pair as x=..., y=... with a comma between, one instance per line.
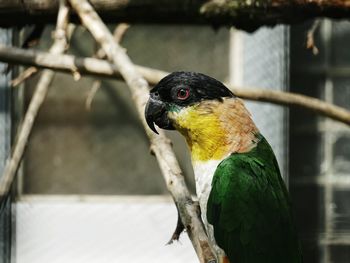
x=244, y=202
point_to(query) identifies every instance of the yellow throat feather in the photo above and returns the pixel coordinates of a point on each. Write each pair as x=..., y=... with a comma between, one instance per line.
x=214, y=129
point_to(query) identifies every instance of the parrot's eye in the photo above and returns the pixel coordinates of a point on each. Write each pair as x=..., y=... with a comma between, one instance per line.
x=183, y=93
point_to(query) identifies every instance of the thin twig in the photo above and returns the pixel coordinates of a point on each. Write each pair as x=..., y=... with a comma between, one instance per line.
x=37, y=100
x=118, y=34
x=160, y=145
x=119, y=31
x=24, y=76
x=92, y=92
x=101, y=68
x=31, y=71
x=310, y=40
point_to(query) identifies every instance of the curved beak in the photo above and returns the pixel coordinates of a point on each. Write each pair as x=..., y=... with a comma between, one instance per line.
x=156, y=113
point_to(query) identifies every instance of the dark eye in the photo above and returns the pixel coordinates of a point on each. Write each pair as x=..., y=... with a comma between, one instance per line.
x=183, y=93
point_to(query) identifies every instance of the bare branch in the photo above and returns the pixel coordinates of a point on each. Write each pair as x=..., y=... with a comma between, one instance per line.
x=26, y=74
x=120, y=31
x=95, y=87
x=101, y=68
x=247, y=15
x=29, y=72
x=37, y=100
x=160, y=145
x=292, y=99
x=310, y=40
x=118, y=34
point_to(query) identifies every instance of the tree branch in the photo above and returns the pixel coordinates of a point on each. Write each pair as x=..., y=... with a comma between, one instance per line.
x=310, y=40
x=24, y=75
x=293, y=99
x=37, y=100
x=160, y=145
x=247, y=15
x=118, y=34
x=101, y=68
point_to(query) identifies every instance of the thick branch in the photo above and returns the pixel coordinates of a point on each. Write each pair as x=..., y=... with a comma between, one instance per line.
x=244, y=14
x=160, y=145
x=37, y=100
x=96, y=67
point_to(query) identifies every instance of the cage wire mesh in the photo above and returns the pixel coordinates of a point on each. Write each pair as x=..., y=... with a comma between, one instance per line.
x=5, y=140
x=265, y=64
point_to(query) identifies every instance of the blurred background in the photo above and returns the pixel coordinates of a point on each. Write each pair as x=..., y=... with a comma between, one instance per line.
x=89, y=190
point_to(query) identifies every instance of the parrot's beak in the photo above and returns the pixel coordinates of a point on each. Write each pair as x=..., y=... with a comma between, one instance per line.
x=156, y=112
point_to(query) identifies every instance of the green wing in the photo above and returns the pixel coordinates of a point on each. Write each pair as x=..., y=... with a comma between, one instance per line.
x=250, y=211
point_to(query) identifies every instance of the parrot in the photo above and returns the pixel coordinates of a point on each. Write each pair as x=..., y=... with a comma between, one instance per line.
x=244, y=203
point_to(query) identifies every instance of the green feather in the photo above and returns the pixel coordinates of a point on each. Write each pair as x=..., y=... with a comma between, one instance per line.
x=250, y=210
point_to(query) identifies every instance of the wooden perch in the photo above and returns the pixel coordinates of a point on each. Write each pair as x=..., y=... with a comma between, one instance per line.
x=244, y=14
x=37, y=100
x=160, y=145
x=102, y=68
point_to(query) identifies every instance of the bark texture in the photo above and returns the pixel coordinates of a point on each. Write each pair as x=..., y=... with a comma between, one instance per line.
x=245, y=14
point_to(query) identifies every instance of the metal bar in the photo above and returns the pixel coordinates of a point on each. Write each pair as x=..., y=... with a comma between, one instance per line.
x=334, y=71
x=344, y=240
x=5, y=142
x=97, y=198
x=328, y=145
x=340, y=181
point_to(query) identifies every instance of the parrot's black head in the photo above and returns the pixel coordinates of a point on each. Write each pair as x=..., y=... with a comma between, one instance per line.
x=179, y=90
